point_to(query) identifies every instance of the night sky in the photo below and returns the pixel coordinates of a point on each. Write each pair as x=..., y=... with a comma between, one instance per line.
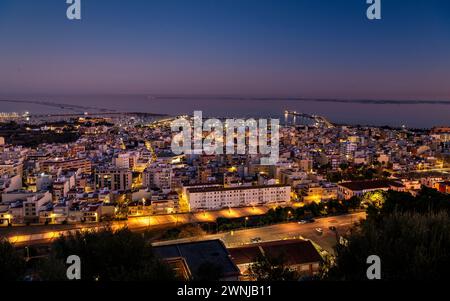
x=300, y=48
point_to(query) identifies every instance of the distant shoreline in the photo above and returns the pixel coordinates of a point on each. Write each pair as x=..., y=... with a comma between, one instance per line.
x=359, y=101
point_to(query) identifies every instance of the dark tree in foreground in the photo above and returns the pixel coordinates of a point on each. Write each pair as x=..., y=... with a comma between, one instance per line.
x=106, y=256
x=269, y=268
x=411, y=246
x=12, y=264
x=427, y=200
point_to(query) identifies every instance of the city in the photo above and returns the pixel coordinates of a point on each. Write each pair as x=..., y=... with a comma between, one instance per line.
x=118, y=171
x=245, y=148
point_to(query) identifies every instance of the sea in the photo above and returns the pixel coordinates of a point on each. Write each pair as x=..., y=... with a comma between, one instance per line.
x=395, y=113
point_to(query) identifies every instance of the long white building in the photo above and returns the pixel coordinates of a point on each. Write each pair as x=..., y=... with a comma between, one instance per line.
x=212, y=198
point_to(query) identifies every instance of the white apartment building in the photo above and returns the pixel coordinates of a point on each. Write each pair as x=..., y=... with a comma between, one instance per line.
x=213, y=198
x=8, y=184
x=159, y=176
x=126, y=160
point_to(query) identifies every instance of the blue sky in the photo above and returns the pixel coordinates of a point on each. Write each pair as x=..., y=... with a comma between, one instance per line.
x=304, y=48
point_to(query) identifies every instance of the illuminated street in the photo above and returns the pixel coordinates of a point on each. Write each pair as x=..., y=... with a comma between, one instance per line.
x=44, y=234
x=287, y=231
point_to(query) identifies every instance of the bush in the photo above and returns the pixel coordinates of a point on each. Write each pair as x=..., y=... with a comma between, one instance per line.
x=106, y=256
x=12, y=264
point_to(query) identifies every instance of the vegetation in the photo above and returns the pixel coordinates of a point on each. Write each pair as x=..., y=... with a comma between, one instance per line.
x=106, y=256
x=12, y=264
x=285, y=214
x=184, y=231
x=268, y=268
x=411, y=235
x=358, y=173
x=32, y=136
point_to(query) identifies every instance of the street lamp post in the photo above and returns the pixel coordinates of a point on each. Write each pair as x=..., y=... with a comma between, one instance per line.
x=143, y=206
x=28, y=254
x=245, y=222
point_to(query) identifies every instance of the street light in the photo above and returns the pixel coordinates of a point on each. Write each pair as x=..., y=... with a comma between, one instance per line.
x=245, y=222
x=28, y=254
x=143, y=206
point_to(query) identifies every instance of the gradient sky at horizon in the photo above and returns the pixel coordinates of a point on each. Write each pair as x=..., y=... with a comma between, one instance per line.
x=300, y=48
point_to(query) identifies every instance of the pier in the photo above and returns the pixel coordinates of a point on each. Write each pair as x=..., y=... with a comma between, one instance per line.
x=317, y=120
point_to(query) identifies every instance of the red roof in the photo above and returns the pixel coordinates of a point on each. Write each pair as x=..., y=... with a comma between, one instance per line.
x=294, y=251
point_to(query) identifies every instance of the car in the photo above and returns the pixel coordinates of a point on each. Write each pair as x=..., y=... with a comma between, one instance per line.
x=256, y=239
x=302, y=222
x=319, y=230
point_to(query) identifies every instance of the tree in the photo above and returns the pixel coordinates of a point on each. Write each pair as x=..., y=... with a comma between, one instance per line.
x=353, y=203
x=427, y=200
x=271, y=268
x=12, y=264
x=374, y=198
x=343, y=166
x=411, y=246
x=106, y=255
x=191, y=231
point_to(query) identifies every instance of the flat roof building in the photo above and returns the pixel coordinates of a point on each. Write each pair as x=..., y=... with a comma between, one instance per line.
x=359, y=188
x=214, y=198
x=299, y=255
x=192, y=256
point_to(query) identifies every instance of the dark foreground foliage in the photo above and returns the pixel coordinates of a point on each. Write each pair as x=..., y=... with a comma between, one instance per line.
x=411, y=235
x=105, y=256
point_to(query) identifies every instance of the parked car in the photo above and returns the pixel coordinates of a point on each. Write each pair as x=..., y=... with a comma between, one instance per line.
x=319, y=230
x=256, y=240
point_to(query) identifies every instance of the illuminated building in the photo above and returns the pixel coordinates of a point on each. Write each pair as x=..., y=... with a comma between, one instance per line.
x=359, y=188
x=211, y=198
x=68, y=164
x=158, y=176
x=113, y=178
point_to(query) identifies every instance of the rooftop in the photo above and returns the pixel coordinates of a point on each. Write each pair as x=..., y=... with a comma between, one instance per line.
x=209, y=189
x=197, y=253
x=375, y=184
x=295, y=251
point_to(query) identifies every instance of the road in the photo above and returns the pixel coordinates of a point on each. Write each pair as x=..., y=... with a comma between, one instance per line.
x=22, y=236
x=327, y=240
x=39, y=234
x=443, y=170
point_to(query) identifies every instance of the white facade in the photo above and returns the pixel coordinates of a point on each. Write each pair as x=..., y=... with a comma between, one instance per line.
x=126, y=160
x=122, y=161
x=8, y=184
x=159, y=176
x=212, y=198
